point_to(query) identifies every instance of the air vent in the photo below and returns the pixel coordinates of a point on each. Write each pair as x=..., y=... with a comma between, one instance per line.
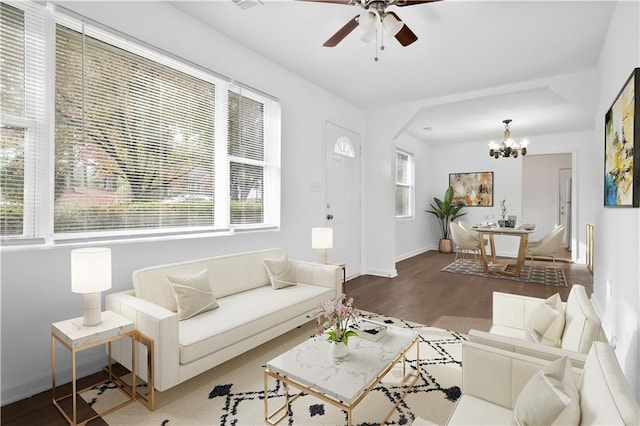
x=247, y=4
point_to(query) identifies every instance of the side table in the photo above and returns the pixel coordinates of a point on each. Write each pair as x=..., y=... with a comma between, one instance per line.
x=344, y=272
x=76, y=337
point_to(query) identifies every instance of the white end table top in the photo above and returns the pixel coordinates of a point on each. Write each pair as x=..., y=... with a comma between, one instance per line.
x=76, y=335
x=311, y=364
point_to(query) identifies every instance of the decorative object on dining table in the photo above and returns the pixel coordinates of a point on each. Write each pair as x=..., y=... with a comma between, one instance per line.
x=512, y=221
x=621, y=156
x=333, y=321
x=504, y=223
x=508, y=147
x=472, y=189
x=446, y=212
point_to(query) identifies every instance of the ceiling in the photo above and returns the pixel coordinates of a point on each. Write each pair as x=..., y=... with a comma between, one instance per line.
x=474, y=64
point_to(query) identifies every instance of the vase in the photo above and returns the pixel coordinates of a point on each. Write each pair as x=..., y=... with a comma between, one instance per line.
x=338, y=350
x=445, y=245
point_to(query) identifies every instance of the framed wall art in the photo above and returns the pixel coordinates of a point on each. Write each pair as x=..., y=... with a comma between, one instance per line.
x=472, y=189
x=621, y=159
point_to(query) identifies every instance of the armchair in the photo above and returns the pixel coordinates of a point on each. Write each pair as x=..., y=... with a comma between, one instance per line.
x=546, y=246
x=466, y=242
x=501, y=387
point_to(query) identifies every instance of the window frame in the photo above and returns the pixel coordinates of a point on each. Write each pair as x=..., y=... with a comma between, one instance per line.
x=40, y=213
x=410, y=185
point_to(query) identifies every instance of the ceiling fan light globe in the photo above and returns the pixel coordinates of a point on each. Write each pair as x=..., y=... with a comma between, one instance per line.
x=369, y=36
x=369, y=20
x=391, y=25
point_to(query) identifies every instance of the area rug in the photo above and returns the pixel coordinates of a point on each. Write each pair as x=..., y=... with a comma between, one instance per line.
x=233, y=393
x=539, y=274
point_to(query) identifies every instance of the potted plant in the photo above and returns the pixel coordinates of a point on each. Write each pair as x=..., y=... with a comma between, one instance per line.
x=446, y=212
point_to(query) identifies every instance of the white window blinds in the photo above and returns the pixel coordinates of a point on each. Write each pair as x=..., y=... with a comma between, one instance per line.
x=22, y=116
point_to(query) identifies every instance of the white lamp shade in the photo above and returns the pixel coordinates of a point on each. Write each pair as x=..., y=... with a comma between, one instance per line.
x=369, y=37
x=369, y=20
x=90, y=270
x=391, y=25
x=322, y=238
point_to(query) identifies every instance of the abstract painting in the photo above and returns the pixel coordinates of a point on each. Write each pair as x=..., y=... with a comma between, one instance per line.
x=472, y=189
x=621, y=159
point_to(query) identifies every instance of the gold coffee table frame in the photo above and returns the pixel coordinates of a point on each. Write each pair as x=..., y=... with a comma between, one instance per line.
x=409, y=379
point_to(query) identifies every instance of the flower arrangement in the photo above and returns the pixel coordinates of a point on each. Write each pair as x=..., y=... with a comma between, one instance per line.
x=333, y=319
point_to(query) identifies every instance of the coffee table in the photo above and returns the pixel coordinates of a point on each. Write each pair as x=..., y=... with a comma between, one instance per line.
x=345, y=383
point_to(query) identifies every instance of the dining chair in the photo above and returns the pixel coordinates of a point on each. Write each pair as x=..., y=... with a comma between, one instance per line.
x=466, y=242
x=472, y=231
x=546, y=247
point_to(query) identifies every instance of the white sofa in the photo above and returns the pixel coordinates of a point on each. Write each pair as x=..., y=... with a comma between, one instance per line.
x=511, y=312
x=493, y=379
x=250, y=311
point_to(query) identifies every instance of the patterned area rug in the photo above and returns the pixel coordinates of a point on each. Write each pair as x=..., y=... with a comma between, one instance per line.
x=233, y=393
x=539, y=274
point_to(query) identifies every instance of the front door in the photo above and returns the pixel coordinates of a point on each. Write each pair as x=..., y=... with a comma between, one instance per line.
x=342, y=209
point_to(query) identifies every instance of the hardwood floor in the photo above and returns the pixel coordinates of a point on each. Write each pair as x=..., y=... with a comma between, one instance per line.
x=420, y=293
x=424, y=294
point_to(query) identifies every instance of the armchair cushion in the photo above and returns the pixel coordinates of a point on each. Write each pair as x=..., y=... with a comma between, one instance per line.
x=546, y=323
x=549, y=397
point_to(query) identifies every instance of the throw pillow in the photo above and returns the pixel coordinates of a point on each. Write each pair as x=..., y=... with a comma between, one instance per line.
x=550, y=397
x=546, y=323
x=193, y=294
x=280, y=273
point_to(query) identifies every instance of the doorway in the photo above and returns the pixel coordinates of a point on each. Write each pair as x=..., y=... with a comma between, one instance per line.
x=343, y=196
x=546, y=199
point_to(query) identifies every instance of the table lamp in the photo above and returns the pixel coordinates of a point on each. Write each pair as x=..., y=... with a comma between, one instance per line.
x=322, y=239
x=91, y=274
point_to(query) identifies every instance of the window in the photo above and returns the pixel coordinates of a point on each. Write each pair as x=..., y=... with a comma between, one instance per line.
x=404, y=185
x=22, y=117
x=142, y=142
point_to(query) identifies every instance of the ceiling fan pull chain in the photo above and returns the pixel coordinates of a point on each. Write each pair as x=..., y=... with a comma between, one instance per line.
x=376, y=47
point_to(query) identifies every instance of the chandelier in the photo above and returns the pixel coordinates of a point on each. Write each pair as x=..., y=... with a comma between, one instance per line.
x=508, y=147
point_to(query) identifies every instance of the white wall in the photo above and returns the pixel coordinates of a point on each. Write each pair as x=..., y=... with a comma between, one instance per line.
x=412, y=234
x=35, y=281
x=617, y=230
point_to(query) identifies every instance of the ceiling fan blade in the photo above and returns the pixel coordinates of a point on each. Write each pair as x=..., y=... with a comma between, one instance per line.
x=405, y=36
x=401, y=3
x=347, y=2
x=342, y=33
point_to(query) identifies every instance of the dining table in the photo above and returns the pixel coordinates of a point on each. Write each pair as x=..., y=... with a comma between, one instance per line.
x=503, y=267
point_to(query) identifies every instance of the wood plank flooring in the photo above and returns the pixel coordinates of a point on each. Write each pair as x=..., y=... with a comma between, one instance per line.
x=420, y=293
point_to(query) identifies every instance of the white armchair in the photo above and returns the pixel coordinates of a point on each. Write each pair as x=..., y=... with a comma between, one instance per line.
x=504, y=388
x=512, y=323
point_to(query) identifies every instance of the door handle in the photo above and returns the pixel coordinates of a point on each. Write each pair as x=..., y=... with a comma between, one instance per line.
x=329, y=216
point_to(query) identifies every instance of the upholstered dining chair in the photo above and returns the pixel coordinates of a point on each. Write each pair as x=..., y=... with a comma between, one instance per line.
x=546, y=247
x=472, y=231
x=466, y=242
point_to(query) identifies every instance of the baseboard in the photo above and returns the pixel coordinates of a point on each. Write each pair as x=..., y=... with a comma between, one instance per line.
x=414, y=253
x=383, y=273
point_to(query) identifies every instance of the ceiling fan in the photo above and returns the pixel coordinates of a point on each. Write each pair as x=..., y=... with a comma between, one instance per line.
x=374, y=15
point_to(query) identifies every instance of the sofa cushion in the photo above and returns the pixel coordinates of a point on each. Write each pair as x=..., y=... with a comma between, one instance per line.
x=243, y=315
x=280, y=272
x=470, y=410
x=546, y=323
x=549, y=397
x=193, y=294
x=582, y=325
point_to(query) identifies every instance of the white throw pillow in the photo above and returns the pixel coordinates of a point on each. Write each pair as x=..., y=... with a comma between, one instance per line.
x=550, y=397
x=546, y=323
x=193, y=294
x=280, y=273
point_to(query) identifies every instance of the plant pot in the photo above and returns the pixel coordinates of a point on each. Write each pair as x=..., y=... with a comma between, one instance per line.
x=445, y=245
x=338, y=350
